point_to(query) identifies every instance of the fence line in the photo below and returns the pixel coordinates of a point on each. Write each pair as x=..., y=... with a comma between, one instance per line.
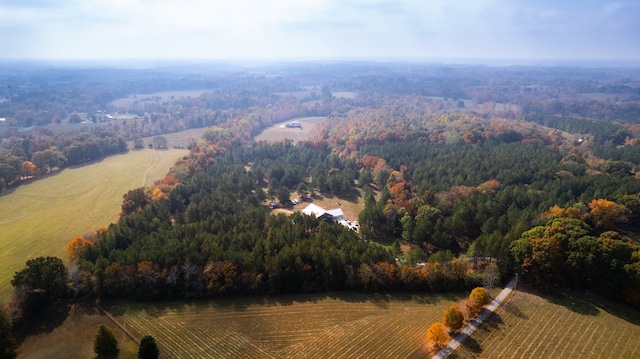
x=123, y=327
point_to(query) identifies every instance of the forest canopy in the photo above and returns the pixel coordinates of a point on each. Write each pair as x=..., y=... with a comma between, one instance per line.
x=453, y=166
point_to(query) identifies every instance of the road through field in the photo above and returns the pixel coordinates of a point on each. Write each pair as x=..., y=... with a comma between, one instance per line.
x=466, y=333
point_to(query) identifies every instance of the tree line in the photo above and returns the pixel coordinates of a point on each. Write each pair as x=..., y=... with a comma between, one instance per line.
x=28, y=156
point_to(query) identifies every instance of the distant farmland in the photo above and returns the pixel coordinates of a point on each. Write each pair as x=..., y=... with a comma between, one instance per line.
x=531, y=326
x=39, y=218
x=163, y=96
x=332, y=325
x=279, y=132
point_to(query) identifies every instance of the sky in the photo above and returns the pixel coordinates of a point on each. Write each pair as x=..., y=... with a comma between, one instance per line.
x=563, y=30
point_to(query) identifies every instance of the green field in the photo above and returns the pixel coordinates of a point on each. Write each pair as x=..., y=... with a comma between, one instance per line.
x=530, y=326
x=278, y=132
x=333, y=325
x=180, y=139
x=39, y=218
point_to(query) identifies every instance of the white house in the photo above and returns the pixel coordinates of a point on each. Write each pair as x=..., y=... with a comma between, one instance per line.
x=333, y=215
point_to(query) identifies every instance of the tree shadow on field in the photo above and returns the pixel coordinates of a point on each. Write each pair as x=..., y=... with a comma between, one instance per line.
x=620, y=310
x=44, y=321
x=492, y=323
x=574, y=304
x=514, y=310
x=471, y=345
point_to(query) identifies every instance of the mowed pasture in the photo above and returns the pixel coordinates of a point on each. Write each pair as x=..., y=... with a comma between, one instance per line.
x=73, y=336
x=334, y=325
x=180, y=139
x=568, y=326
x=40, y=218
x=279, y=132
x=163, y=96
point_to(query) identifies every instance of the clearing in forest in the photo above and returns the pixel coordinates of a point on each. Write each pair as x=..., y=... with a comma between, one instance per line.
x=280, y=132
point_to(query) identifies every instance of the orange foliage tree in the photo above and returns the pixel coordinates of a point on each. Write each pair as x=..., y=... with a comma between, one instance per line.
x=437, y=337
x=75, y=246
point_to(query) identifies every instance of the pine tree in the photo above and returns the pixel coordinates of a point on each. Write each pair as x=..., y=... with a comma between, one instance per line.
x=105, y=342
x=148, y=348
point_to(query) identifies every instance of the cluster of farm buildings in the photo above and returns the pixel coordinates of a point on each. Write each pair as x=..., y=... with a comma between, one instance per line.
x=333, y=215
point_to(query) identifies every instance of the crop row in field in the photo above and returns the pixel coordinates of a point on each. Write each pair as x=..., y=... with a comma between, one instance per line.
x=39, y=218
x=530, y=326
x=345, y=325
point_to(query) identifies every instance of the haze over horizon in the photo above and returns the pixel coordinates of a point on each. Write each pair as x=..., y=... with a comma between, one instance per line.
x=494, y=30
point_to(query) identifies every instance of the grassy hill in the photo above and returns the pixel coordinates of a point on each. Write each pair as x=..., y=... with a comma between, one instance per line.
x=39, y=218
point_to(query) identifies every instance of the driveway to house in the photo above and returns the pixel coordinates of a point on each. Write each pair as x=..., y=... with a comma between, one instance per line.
x=455, y=342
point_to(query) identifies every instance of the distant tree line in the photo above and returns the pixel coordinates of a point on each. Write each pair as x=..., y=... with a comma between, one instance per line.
x=602, y=132
x=28, y=156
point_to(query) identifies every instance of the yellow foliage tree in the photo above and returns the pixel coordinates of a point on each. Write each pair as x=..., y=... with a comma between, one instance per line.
x=477, y=299
x=75, y=246
x=437, y=337
x=453, y=318
x=604, y=213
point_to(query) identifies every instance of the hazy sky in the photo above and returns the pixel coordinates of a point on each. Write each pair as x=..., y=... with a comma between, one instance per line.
x=320, y=29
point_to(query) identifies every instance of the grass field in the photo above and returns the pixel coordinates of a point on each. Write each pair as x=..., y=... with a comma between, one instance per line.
x=278, y=133
x=73, y=338
x=344, y=94
x=180, y=139
x=351, y=206
x=164, y=96
x=530, y=326
x=334, y=325
x=39, y=218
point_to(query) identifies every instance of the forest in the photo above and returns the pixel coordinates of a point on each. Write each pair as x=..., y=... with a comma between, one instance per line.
x=460, y=166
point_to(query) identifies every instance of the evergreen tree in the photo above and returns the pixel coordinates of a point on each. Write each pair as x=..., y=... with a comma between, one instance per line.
x=148, y=348
x=105, y=342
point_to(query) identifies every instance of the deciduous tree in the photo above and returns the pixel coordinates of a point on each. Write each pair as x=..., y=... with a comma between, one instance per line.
x=478, y=298
x=453, y=318
x=160, y=142
x=604, y=213
x=437, y=337
x=75, y=246
x=43, y=280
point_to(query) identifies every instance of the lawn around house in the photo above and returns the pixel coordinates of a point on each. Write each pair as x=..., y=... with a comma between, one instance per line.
x=279, y=132
x=39, y=218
